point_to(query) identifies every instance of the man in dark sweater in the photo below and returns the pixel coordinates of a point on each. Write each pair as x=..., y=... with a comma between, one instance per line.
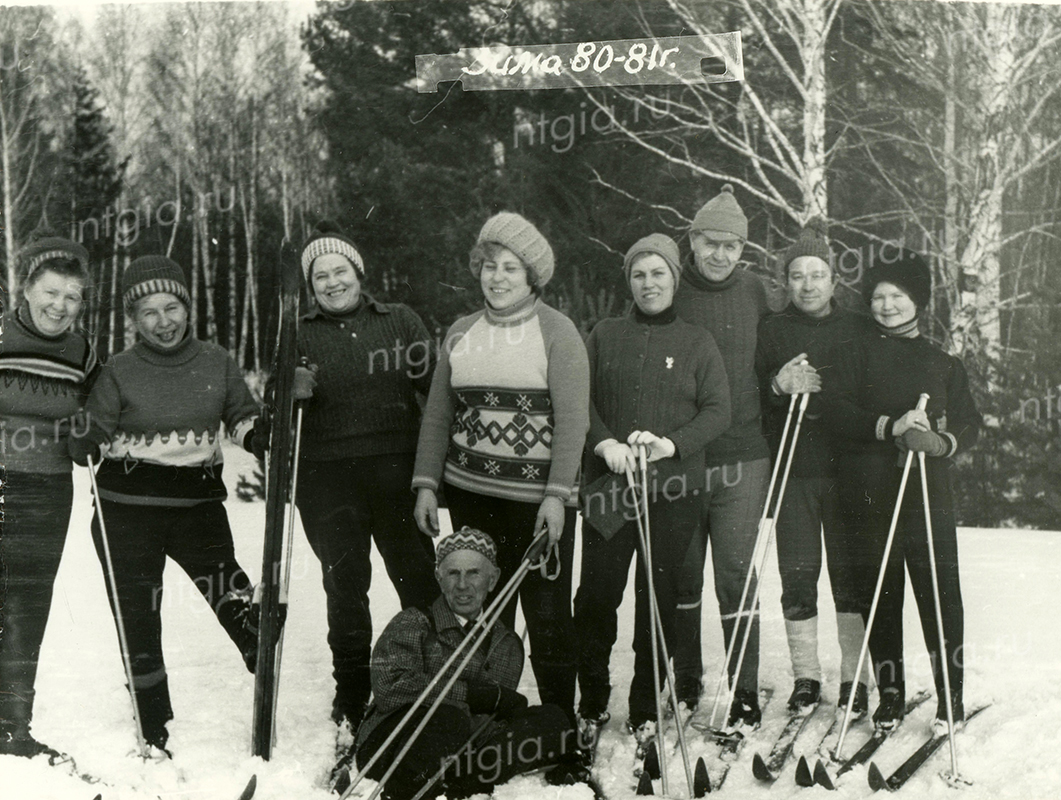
x=729, y=303
x=795, y=348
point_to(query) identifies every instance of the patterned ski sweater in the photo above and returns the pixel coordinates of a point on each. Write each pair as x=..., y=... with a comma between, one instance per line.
x=160, y=413
x=509, y=406
x=44, y=380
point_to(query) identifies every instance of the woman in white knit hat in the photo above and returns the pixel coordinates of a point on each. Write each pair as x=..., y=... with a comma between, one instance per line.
x=504, y=428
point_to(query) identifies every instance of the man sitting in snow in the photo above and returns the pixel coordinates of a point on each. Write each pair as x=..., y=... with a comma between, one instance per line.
x=413, y=648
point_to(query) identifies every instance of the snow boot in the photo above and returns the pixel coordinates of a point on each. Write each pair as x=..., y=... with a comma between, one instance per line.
x=806, y=694
x=644, y=733
x=16, y=740
x=239, y=617
x=155, y=711
x=745, y=712
x=589, y=728
x=861, y=706
x=891, y=709
x=940, y=726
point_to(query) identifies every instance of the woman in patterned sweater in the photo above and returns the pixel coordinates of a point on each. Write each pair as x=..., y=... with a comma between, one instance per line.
x=45, y=371
x=158, y=408
x=504, y=428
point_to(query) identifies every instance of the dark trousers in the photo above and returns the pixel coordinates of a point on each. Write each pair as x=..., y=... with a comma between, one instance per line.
x=345, y=505
x=867, y=512
x=199, y=539
x=546, y=604
x=810, y=511
x=731, y=506
x=530, y=739
x=605, y=566
x=35, y=519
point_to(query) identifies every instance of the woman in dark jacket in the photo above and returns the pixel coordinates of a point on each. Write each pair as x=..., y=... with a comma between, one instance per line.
x=46, y=369
x=872, y=411
x=656, y=381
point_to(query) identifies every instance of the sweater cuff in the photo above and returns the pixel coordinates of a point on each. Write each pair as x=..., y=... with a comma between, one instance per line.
x=422, y=482
x=561, y=493
x=953, y=443
x=883, y=424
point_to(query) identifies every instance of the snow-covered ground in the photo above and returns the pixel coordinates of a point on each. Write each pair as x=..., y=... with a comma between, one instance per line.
x=1012, y=589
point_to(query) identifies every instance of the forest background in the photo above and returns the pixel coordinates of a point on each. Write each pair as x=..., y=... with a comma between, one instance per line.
x=211, y=131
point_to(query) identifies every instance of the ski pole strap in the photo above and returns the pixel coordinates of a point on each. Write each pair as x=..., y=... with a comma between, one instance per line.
x=551, y=556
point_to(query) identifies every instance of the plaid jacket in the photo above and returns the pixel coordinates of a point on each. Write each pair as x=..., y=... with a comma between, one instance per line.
x=411, y=651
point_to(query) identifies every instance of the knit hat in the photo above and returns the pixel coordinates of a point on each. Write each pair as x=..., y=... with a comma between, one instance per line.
x=722, y=213
x=45, y=248
x=909, y=272
x=812, y=241
x=660, y=244
x=327, y=237
x=467, y=539
x=153, y=274
x=522, y=238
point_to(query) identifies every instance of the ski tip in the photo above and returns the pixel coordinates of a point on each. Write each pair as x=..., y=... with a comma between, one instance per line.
x=651, y=763
x=877, y=781
x=248, y=792
x=701, y=780
x=822, y=777
x=644, y=785
x=804, y=777
x=760, y=770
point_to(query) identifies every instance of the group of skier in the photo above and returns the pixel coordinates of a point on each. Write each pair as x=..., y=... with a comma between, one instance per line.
x=517, y=423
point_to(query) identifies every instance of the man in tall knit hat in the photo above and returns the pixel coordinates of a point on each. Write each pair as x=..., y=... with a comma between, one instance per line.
x=157, y=411
x=728, y=302
x=795, y=347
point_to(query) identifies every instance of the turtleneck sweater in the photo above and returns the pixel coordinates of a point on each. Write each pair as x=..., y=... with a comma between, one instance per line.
x=509, y=406
x=159, y=413
x=44, y=380
x=730, y=311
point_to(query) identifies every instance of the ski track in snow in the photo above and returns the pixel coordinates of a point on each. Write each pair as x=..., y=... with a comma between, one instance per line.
x=1011, y=585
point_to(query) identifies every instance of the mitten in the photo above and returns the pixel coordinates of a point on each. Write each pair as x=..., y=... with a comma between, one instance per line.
x=81, y=447
x=305, y=382
x=483, y=697
x=927, y=442
x=510, y=702
x=257, y=439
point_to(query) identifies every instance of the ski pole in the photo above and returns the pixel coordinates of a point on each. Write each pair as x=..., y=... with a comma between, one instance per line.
x=122, y=641
x=494, y=609
x=922, y=402
x=646, y=546
x=766, y=548
x=731, y=644
x=955, y=775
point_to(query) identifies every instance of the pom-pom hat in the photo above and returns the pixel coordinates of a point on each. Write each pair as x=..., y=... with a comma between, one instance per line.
x=45, y=248
x=153, y=274
x=327, y=237
x=722, y=214
x=512, y=231
x=812, y=241
x=467, y=539
x=909, y=271
x=660, y=244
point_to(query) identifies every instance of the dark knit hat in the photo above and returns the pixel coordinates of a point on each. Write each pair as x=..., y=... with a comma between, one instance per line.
x=722, y=213
x=45, y=248
x=522, y=238
x=812, y=241
x=467, y=539
x=660, y=244
x=152, y=274
x=327, y=237
x=909, y=272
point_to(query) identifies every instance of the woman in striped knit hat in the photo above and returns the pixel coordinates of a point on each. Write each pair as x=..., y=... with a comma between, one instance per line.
x=157, y=409
x=504, y=428
x=46, y=368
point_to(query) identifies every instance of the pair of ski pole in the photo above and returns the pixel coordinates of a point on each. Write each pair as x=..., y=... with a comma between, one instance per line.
x=763, y=540
x=922, y=403
x=657, y=637
x=531, y=560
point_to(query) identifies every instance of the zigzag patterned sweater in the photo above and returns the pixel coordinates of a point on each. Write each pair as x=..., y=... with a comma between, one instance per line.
x=509, y=406
x=43, y=383
x=160, y=413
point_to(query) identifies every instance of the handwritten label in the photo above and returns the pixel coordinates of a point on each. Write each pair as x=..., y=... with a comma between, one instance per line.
x=624, y=62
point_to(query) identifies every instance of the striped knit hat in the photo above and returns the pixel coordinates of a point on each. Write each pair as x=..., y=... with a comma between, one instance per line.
x=152, y=274
x=722, y=213
x=327, y=237
x=812, y=241
x=467, y=539
x=45, y=248
x=660, y=244
x=522, y=238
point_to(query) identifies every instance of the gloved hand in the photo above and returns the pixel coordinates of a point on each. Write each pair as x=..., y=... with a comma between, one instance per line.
x=616, y=455
x=510, y=702
x=927, y=442
x=81, y=447
x=657, y=446
x=305, y=381
x=483, y=697
x=257, y=439
x=797, y=377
